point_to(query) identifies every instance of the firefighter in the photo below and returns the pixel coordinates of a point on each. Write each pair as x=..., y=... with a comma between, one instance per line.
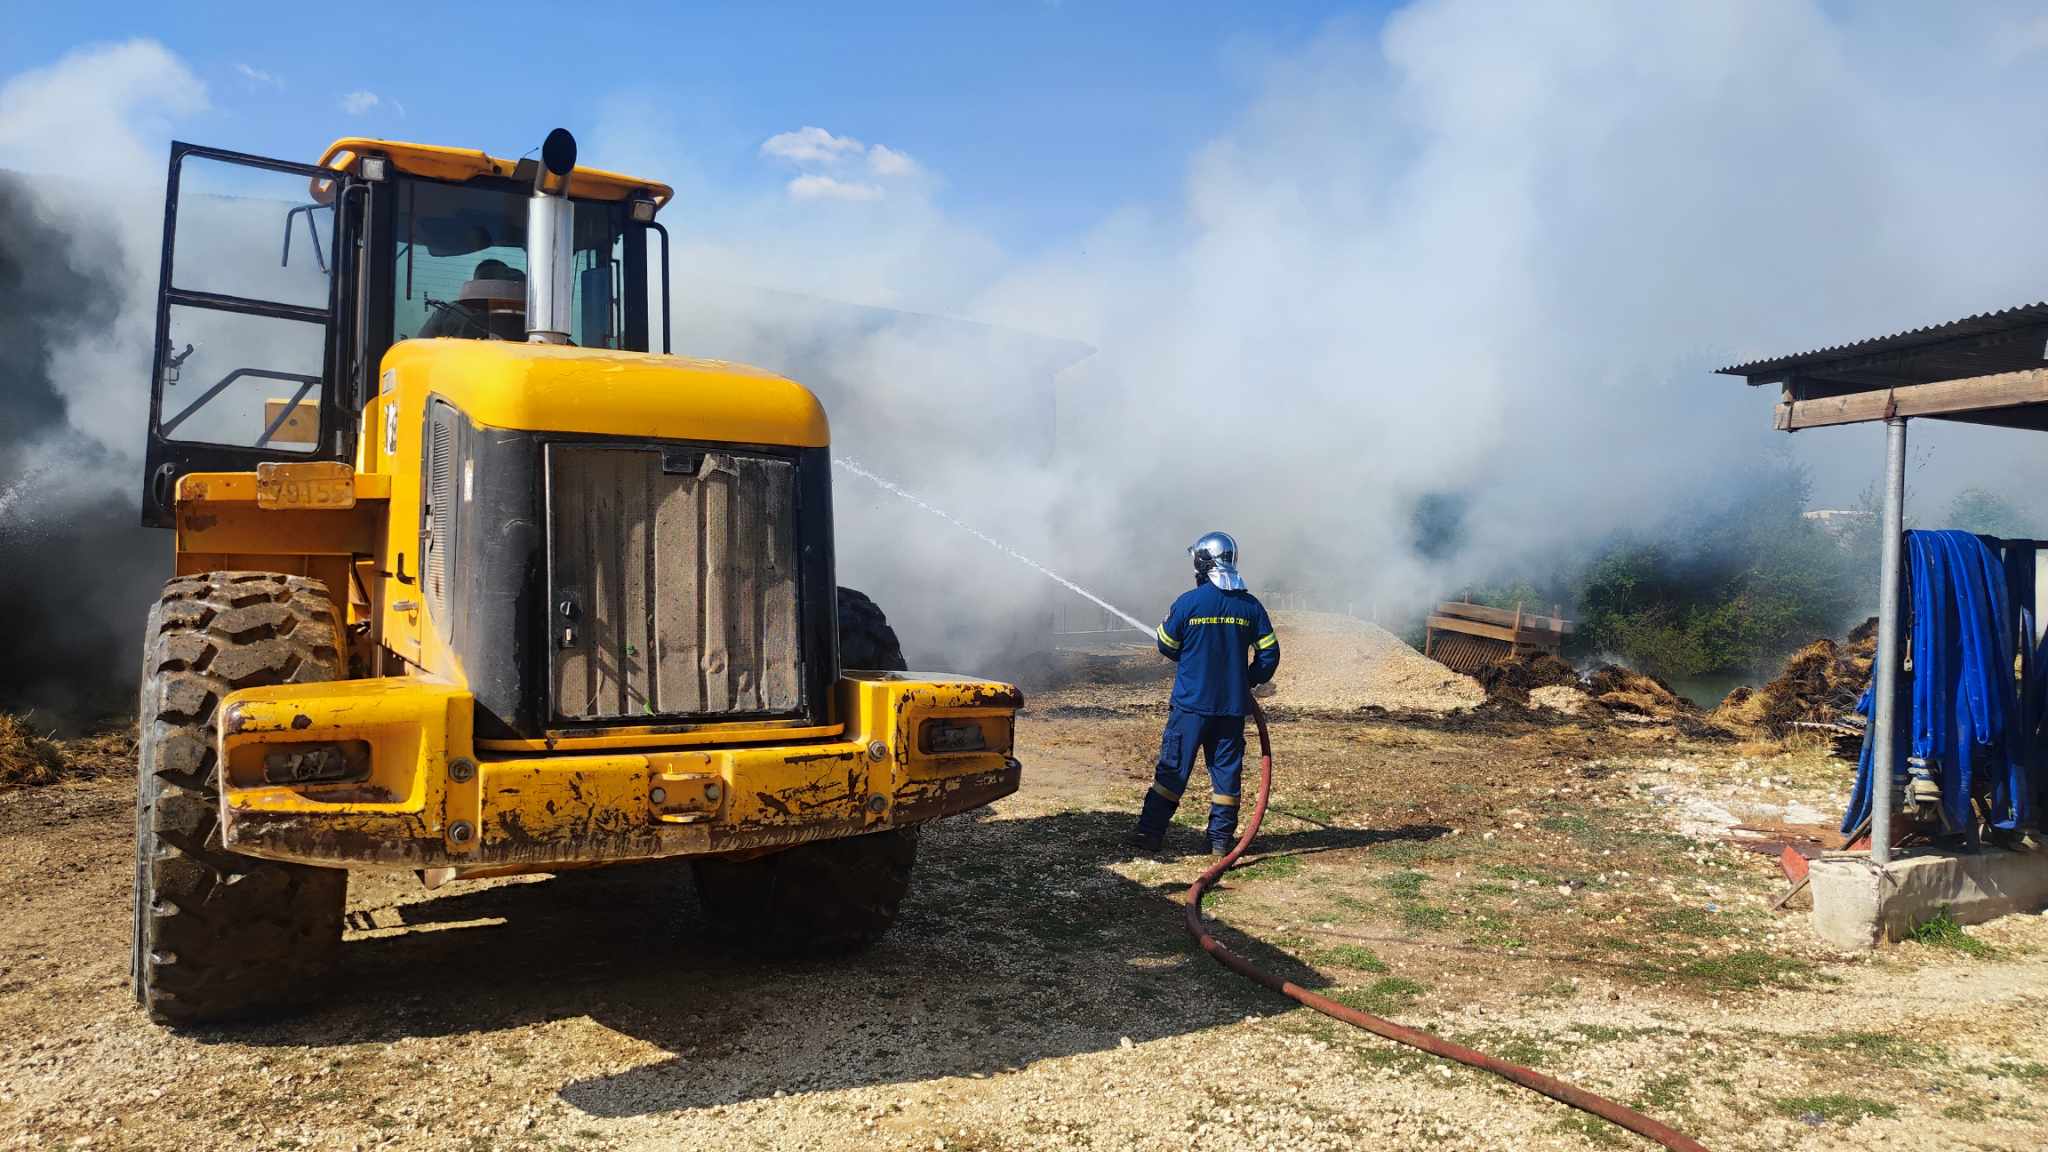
x=1221, y=638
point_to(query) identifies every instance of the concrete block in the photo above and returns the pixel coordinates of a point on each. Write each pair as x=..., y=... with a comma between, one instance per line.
x=1856, y=904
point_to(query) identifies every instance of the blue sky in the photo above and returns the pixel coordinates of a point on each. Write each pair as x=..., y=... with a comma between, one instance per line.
x=1037, y=117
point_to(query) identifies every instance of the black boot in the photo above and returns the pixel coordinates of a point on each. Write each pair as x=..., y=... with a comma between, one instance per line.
x=1222, y=846
x=1144, y=843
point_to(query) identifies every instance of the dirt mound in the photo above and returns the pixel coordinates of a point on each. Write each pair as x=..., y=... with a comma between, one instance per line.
x=1819, y=685
x=25, y=757
x=1330, y=662
x=1622, y=690
x=1512, y=678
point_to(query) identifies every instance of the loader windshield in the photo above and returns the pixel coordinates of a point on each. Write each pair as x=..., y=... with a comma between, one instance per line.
x=460, y=265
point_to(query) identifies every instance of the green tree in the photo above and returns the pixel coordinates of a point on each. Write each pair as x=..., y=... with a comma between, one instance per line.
x=1436, y=525
x=1986, y=513
x=1724, y=587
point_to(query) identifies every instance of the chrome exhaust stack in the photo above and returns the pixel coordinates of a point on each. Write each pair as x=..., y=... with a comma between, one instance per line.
x=551, y=244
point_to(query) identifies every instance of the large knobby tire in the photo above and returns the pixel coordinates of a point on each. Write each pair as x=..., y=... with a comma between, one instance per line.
x=217, y=934
x=825, y=898
x=865, y=639
x=829, y=897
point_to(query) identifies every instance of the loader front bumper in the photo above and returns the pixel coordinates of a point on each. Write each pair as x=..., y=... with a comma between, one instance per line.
x=383, y=772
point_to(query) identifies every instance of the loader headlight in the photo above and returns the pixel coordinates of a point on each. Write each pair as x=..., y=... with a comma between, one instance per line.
x=642, y=208
x=374, y=168
x=321, y=763
x=940, y=736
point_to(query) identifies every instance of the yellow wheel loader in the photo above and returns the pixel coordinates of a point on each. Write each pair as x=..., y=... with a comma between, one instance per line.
x=471, y=581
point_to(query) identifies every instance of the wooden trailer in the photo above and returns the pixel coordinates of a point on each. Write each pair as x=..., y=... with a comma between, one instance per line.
x=1467, y=637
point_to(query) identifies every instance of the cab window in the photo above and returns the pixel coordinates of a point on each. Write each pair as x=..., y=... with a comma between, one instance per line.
x=459, y=265
x=244, y=329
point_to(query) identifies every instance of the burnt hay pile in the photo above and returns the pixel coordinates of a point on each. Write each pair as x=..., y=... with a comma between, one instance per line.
x=1633, y=693
x=26, y=758
x=31, y=757
x=1820, y=684
x=1513, y=678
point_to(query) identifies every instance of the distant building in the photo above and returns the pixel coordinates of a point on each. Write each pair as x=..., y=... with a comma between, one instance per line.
x=1840, y=523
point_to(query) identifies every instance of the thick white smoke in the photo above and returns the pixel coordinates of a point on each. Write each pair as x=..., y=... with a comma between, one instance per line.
x=1484, y=249
x=1473, y=248
x=78, y=223
x=89, y=134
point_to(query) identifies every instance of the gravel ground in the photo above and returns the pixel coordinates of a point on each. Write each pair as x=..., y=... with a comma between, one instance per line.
x=1525, y=887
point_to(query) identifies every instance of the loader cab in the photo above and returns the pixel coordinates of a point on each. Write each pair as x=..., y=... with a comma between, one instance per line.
x=283, y=284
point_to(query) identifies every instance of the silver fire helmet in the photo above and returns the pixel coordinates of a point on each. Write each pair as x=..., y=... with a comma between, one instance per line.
x=1216, y=559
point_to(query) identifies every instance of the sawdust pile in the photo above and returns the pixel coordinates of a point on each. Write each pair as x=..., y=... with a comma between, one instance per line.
x=25, y=757
x=1569, y=699
x=1335, y=663
x=1328, y=663
x=1820, y=684
x=1513, y=678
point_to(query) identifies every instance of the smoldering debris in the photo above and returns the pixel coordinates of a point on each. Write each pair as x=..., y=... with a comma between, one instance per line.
x=1636, y=693
x=26, y=757
x=1513, y=678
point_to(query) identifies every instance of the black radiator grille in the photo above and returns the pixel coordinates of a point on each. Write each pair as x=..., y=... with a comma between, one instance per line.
x=674, y=583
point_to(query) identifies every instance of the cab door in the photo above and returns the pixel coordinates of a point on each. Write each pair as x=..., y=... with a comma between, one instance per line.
x=247, y=353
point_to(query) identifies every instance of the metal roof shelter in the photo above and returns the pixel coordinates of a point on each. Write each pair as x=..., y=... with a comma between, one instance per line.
x=1985, y=369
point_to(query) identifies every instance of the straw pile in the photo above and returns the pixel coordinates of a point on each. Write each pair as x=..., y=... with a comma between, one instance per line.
x=1820, y=684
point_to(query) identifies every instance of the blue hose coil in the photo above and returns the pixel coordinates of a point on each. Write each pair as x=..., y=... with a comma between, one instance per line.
x=1970, y=717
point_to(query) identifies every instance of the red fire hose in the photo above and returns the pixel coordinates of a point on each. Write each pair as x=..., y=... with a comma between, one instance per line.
x=1529, y=1078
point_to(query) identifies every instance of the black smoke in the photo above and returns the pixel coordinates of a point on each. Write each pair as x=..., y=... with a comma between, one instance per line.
x=77, y=571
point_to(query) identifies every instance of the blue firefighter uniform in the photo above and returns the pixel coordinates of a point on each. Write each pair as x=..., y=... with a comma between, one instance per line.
x=1225, y=646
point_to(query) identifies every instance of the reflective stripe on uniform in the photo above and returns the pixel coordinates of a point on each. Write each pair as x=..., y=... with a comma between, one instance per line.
x=1165, y=792
x=1268, y=640
x=1220, y=799
x=1169, y=641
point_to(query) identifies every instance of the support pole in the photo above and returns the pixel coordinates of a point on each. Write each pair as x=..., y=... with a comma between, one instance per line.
x=1883, y=759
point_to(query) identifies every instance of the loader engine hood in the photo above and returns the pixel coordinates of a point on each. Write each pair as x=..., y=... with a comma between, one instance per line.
x=606, y=543
x=561, y=388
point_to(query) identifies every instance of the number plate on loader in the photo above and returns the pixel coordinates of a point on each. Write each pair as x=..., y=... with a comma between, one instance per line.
x=313, y=484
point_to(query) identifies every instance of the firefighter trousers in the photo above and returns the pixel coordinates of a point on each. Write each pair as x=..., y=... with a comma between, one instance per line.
x=1220, y=739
